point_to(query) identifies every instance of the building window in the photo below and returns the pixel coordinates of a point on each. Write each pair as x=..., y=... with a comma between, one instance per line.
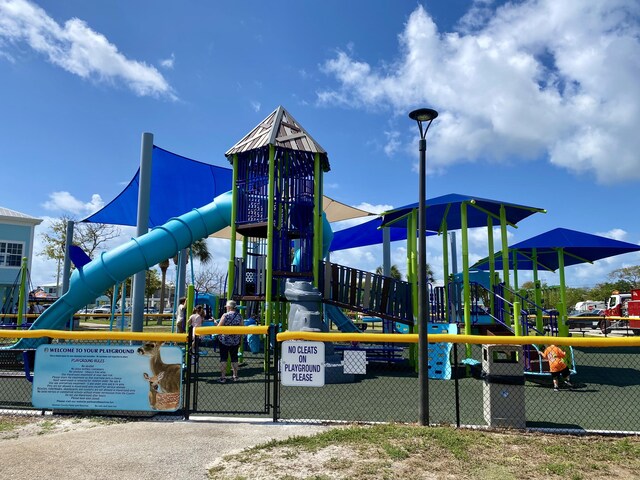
x=11, y=254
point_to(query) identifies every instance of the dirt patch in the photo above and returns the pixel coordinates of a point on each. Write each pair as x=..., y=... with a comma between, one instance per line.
x=413, y=452
x=20, y=426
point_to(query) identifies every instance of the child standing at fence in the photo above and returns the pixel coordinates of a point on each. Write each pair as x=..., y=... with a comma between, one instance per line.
x=557, y=366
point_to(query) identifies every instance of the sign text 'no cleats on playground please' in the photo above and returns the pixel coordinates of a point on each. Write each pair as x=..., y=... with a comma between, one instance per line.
x=302, y=364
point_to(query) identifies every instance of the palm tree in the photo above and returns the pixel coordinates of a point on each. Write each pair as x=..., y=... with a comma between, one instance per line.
x=164, y=266
x=395, y=273
x=199, y=249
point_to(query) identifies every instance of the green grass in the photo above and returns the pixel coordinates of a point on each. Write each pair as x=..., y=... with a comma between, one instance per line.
x=406, y=451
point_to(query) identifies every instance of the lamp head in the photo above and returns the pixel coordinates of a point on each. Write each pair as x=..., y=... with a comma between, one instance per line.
x=423, y=115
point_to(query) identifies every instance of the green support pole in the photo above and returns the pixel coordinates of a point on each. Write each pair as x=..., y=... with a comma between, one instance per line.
x=466, y=290
x=231, y=273
x=317, y=217
x=505, y=261
x=412, y=277
x=414, y=257
x=563, y=328
x=537, y=292
x=515, y=271
x=410, y=271
x=492, y=265
x=191, y=299
x=22, y=293
x=517, y=320
x=445, y=267
x=271, y=202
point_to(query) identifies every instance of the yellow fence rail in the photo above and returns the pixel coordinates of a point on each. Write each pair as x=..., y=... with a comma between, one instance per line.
x=329, y=337
x=471, y=339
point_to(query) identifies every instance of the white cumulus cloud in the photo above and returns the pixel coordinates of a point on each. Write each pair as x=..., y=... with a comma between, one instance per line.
x=76, y=48
x=529, y=79
x=67, y=203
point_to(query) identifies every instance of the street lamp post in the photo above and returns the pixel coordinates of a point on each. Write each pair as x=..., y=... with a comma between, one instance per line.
x=423, y=116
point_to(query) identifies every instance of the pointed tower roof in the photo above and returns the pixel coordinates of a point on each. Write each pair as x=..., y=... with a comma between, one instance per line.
x=281, y=130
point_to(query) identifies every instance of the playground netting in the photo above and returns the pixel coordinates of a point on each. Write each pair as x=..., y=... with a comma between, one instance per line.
x=471, y=391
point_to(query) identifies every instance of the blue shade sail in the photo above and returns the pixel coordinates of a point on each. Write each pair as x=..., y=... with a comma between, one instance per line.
x=178, y=185
x=578, y=247
x=447, y=208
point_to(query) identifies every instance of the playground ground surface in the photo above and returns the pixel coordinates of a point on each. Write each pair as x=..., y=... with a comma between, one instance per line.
x=52, y=447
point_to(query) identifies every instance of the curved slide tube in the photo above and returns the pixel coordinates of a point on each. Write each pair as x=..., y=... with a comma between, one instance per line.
x=340, y=320
x=90, y=281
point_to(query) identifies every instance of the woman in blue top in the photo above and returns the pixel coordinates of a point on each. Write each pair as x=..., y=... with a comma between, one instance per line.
x=229, y=344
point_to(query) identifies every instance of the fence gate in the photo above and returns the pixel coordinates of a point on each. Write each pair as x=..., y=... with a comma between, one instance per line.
x=250, y=395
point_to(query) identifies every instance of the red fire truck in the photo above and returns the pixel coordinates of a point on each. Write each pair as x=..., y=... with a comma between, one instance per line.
x=623, y=311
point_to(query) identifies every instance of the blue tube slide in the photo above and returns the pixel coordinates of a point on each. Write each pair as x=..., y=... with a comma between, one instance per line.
x=340, y=320
x=90, y=281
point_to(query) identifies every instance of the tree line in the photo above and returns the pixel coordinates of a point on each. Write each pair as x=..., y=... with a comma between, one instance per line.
x=94, y=237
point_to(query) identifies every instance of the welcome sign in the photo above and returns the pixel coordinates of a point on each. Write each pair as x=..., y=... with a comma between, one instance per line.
x=103, y=377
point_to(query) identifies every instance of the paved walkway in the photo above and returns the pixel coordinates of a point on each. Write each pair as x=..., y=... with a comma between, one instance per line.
x=138, y=450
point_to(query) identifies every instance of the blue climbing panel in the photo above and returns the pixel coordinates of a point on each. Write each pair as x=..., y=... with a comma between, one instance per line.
x=439, y=364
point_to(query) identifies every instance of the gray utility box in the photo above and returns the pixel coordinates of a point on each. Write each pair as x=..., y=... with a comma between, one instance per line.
x=503, y=389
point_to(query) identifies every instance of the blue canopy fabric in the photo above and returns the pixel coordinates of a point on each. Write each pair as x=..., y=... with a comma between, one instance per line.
x=178, y=185
x=447, y=207
x=368, y=233
x=578, y=247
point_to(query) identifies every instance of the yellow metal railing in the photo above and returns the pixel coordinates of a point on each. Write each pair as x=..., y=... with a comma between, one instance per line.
x=330, y=337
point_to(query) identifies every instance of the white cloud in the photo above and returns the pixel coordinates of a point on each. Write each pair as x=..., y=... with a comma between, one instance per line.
x=77, y=48
x=67, y=203
x=256, y=106
x=393, y=143
x=534, y=78
x=616, y=234
x=168, y=62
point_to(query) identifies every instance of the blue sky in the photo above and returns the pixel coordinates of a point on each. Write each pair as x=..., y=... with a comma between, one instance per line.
x=539, y=103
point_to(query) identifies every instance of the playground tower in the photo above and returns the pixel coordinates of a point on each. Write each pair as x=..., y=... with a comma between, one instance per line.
x=276, y=210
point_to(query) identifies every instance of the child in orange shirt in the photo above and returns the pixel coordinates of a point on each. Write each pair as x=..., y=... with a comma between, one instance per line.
x=557, y=366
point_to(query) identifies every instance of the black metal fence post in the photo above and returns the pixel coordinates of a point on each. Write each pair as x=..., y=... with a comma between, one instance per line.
x=456, y=383
x=187, y=389
x=276, y=359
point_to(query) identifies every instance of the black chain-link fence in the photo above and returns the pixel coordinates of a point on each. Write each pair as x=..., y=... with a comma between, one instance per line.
x=492, y=386
x=482, y=385
x=217, y=391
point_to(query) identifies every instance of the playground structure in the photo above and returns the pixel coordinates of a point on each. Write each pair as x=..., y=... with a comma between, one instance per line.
x=275, y=208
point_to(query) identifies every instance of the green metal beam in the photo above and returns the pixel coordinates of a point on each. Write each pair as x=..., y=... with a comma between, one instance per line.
x=317, y=219
x=234, y=212
x=466, y=290
x=492, y=265
x=270, y=219
x=537, y=293
x=505, y=260
x=445, y=267
x=563, y=328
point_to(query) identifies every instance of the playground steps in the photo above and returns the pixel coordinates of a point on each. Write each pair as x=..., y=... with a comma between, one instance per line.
x=365, y=292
